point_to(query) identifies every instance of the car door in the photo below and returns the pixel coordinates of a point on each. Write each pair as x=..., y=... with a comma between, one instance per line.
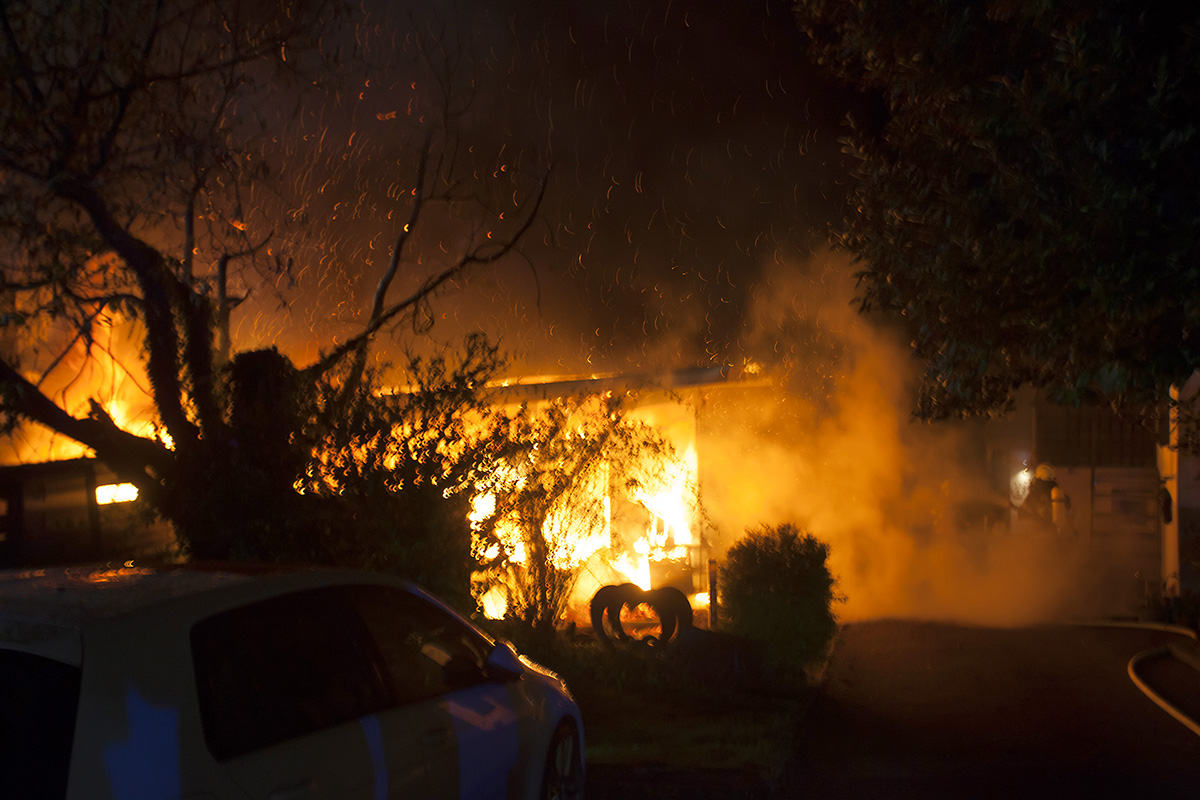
x=465, y=723
x=295, y=702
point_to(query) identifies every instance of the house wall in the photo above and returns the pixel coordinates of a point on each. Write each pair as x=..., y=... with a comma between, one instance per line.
x=1108, y=467
x=1187, y=522
x=50, y=516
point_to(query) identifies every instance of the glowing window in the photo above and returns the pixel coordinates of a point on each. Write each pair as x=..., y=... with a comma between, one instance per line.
x=116, y=493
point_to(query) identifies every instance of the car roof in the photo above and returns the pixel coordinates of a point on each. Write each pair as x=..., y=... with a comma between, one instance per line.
x=35, y=603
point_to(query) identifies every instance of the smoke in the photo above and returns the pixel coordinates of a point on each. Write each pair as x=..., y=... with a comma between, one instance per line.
x=913, y=527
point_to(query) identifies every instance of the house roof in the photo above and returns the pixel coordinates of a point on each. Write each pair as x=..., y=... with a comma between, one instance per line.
x=546, y=388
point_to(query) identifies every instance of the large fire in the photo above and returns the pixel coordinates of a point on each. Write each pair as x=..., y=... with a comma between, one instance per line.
x=842, y=462
x=672, y=508
x=588, y=537
x=594, y=537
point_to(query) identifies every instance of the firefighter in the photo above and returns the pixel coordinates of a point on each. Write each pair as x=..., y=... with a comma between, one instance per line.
x=1046, y=501
x=1040, y=497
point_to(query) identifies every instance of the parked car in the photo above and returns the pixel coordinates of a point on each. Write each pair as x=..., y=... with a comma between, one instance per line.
x=189, y=682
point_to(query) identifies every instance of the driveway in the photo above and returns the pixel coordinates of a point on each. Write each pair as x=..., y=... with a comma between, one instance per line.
x=913, y=709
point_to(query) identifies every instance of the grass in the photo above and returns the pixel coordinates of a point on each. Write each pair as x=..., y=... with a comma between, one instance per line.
x=641, y=706
x=702, y=733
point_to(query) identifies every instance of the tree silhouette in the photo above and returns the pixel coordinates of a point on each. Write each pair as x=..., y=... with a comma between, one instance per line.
x=162, y=159
x=1023, y=191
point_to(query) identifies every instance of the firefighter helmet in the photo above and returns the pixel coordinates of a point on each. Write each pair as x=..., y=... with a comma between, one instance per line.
x=1044, y=472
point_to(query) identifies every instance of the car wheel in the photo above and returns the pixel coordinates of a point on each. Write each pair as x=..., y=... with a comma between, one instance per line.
x=563, y=778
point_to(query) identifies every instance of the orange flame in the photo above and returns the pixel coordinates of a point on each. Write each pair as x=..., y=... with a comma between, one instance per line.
x=604, y=553
x=109, y=371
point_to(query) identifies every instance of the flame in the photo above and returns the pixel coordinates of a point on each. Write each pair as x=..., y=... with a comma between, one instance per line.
x=672, y=498
x=672, y=508
x=591, y=539
x=571, y=543
x=635, y=567
x=109, y=370
x=673, y=504
x=494, y=603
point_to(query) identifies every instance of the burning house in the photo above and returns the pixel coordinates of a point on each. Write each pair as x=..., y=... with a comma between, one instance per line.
x=648, y=530
x=651, y=532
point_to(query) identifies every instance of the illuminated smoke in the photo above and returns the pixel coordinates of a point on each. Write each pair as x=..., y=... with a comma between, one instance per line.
x=834, y=449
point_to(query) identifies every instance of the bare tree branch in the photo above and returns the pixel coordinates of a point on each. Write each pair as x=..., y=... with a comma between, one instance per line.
x=35, y=93
x=124, y=96
x=385, y=282
x=84, y=331
x=126, y=453
x=225, y=303
x=475, y=257
x=160, y=291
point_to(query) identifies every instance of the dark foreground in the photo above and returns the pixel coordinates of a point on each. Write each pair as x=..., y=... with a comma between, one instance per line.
x=927, y=710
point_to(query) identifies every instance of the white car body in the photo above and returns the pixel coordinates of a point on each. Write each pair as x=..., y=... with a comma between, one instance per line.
x=226, y=683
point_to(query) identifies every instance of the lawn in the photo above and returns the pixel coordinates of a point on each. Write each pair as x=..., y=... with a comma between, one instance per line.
x=739, y=732
x=677, y=709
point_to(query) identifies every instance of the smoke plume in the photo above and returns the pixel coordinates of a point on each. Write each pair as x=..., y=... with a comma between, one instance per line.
x=913, y=527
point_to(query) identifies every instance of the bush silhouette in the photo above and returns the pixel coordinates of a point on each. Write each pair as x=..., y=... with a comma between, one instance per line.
x=776, y=589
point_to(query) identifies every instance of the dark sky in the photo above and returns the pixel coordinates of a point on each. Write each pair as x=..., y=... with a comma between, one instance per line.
x=702, y=151
x=692, y=149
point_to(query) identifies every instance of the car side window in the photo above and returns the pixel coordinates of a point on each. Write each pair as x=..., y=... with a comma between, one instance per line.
x=37, y=724
x=285, y=667
x=427, y=651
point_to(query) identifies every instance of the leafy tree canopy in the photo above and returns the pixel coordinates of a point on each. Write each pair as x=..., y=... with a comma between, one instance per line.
x=1024, y=190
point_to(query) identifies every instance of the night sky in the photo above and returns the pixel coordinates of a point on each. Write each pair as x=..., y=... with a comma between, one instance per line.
x=692, y=152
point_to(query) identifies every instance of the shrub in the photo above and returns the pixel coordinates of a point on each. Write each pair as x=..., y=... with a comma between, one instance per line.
x=776, y=589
